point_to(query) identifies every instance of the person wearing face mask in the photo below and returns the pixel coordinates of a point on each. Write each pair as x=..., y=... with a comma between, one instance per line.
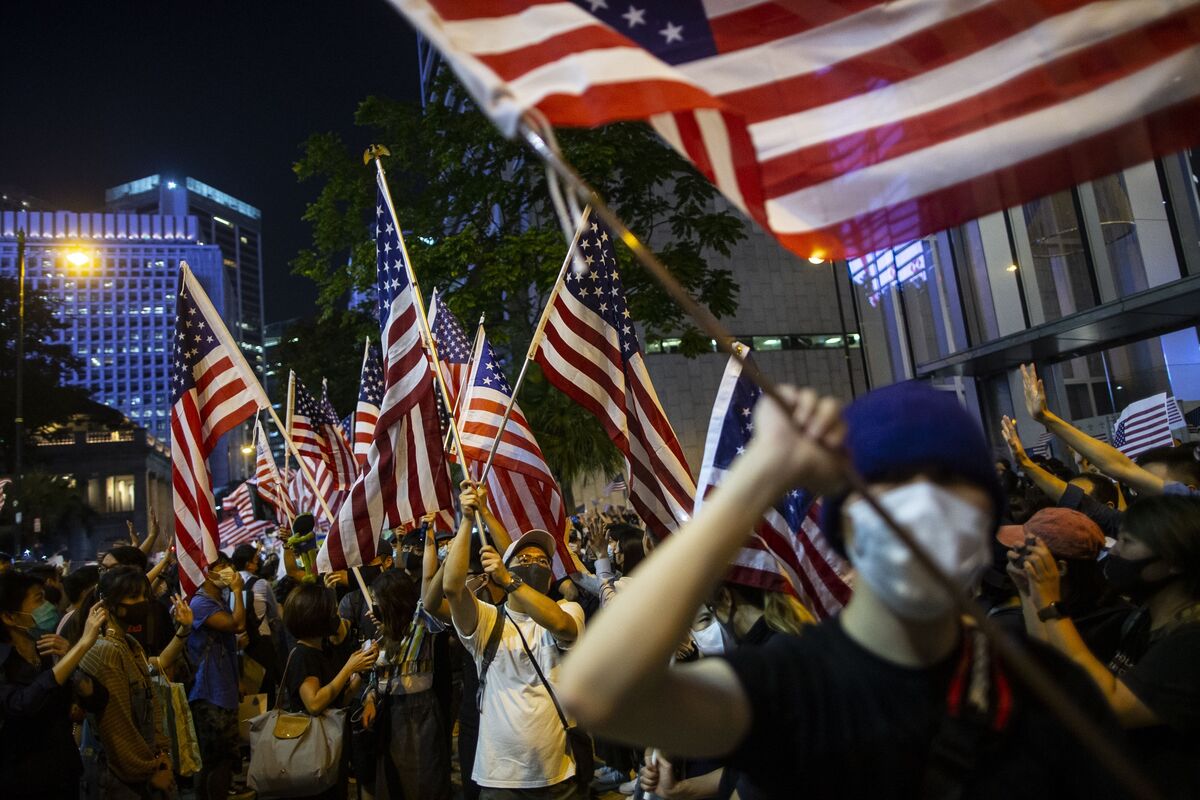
x=1152, y=682
x=858, y=705
x=134, y=756
x=38, y=756
x=263, y=621
x=523, y=749
x=219, y=616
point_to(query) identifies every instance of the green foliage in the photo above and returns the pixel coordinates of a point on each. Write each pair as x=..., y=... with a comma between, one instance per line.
x=55, y=500
x=479, y=226
x=328, y=347
x=47, y=401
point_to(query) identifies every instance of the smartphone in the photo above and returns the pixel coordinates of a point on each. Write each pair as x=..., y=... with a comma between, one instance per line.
x=367, y=643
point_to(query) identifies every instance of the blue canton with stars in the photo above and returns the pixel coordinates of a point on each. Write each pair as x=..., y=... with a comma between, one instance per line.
x=489, y=375
x=307, y=406
x=676, y=32
x=194, y=340
x=736, y=432
x=389, y=258
x=370, y=387
x=452, y=344
x=598, y=285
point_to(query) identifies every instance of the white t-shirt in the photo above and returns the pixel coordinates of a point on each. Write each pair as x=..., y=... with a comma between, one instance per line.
x=266, y=607
x=521, y=740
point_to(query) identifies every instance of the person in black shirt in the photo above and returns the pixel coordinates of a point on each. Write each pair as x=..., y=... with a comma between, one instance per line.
x=38, y=756
x=1152, y=682
x=864, y=704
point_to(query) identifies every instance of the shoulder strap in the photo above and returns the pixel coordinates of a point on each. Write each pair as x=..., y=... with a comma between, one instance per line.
x=541, y=676
x=489, y=652
x=283, y=678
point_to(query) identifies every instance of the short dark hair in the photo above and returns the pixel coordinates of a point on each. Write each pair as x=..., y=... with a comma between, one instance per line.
x=243, y=554
x=310, y=612
x=1170, y=526
x=1102, y=490
x=14, y=588
x=45, y=571
x=1182, y=463
x=128, y=556
x=121, y=583
x=79, y=581
x=395, y=601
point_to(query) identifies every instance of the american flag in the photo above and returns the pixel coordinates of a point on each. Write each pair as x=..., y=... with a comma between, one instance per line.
x=454, y=349
x=1043, y=446
x=239, y=525
x=788, y=552
x=521, y=491
x=406, y=473
x=847, y=127
x=617, y=484
x=370, y=394
x=590, y=351
x=345, y=466
x=212, y=391
x=4, y=482
x=314, y=429
x=1175, y=413
x=1143, y=426
x=271, y=487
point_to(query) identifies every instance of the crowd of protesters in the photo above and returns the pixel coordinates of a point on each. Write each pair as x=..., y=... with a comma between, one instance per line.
x=459, y=663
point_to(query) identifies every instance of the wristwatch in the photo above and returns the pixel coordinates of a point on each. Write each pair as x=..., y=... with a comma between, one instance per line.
x=514, y=583
x=1052, y=611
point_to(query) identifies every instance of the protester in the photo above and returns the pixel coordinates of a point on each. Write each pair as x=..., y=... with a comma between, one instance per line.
x=263, y=620
x=52, y=584
x=312, y=680
x=858, y=705
x=400, y=703
x=38, y=755
x=1152, y=682
x=154, y=633
x=523, y=749
x=79, y=590
x=134, y=758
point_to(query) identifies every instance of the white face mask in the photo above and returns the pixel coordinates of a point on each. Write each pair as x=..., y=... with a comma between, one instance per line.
x=221, y=577
x=952, y=531
x=712, y=641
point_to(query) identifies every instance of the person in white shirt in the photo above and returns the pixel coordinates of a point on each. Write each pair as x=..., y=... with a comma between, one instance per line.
x=523, y=749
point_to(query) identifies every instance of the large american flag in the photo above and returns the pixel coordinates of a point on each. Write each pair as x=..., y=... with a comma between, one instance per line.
x=1143, y=426
x=270, y=485
x=787, y=552
x=590, y=351
x=521, y=491
x=405, y=476
x=846, y=127
x=213, y=390
x=454, y=349
x=370, y=394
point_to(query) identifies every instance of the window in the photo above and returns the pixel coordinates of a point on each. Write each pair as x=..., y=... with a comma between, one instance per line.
x=118, y=493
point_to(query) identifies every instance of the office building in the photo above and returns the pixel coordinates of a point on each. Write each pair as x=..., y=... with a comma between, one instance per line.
x=112, y=279
x=1098, y=284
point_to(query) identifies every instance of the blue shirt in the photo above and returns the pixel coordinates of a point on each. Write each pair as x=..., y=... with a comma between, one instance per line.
x=213, y=654
x=1177, y=488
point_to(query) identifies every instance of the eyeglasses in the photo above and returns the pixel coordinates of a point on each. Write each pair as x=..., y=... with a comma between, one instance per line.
x=525, y=561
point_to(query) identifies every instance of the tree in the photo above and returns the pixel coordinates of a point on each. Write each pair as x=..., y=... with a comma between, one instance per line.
x=47, y=401
x=326, y=347
x=479, y=225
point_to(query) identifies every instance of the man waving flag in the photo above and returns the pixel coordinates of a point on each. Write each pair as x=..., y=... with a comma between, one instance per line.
x=405, y=476
x=213, y=390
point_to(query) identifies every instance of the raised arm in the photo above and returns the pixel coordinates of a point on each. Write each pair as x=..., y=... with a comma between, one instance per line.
x=183, y=616
x=1050, y=484
x=541, y=608
x=433, y=597
x=620, y=685
x=454, y=572
x=147, y=545
x=317, y=698
x=1106, y=458
x=227, y=622
x=496, y=530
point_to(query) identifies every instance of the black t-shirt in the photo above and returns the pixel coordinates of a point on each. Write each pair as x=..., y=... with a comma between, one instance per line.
x=1166, y=678
x=831, y=719
x=305, y=662
x=38, y=756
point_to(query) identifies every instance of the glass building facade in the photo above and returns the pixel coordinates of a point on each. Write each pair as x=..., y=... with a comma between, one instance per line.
x=112, y=279
x=1098, y=285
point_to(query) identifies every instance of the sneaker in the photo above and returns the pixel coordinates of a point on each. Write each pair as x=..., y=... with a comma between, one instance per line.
x=599, y=771
x=607, y=778
x=628, y=787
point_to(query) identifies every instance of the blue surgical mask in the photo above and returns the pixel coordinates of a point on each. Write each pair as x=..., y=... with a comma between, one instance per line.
x=45, y=619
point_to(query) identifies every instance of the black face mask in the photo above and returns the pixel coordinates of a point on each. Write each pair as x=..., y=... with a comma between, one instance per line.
x=535, y=576
x=369, y=574
x=135, y=614
x=1125, y=575
x=413, y=562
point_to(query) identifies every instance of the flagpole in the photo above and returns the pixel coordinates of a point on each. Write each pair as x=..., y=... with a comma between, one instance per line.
x=1029, y=672
x=287, y=437
x=536, y=342
x=376, y=152
x=466, y=377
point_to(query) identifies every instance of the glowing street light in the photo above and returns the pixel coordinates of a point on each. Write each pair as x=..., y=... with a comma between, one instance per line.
x=78, y=258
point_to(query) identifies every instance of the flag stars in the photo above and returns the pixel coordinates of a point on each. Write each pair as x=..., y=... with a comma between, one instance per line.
x=597, y=5
x=672, y=33
x=633, y=17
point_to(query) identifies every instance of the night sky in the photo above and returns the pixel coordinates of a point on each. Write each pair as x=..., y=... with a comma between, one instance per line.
x=99, y=93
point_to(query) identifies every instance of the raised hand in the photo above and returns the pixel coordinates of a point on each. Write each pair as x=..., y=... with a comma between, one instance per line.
x=181, y=611
x=1035, y=393
x=53, y=645
x=493, y=565
x=812, y=459
x=94, y=625
x=1008, y=429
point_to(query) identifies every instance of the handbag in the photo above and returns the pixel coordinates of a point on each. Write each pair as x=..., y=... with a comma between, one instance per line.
x=579, y=744
x=178, y=726
x=294, y=754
